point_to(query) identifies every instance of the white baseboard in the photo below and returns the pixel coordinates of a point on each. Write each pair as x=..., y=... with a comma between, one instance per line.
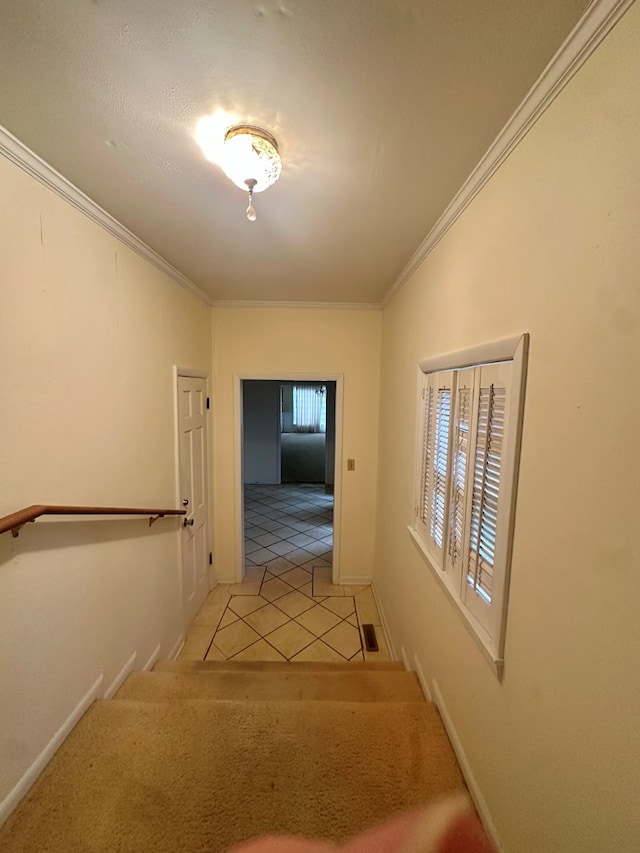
x=177, y=648
x=220, y=578
x=155, y=654
x=474, y=789
x=112, y=689
x=404, y=658
x=13, y=797
x=423, y=681
x=385, y=625
x=417, y=668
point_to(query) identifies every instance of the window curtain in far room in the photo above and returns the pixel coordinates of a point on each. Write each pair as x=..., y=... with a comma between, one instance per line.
x=309, y=408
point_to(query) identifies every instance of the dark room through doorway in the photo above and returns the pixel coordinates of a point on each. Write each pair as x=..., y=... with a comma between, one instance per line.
x=288, y=454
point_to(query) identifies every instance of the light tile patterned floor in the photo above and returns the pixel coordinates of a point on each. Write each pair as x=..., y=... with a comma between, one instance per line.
x=287, y=608
x=287, y=527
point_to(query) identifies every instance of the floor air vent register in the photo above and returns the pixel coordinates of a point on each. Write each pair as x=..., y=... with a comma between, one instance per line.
x=369, y=635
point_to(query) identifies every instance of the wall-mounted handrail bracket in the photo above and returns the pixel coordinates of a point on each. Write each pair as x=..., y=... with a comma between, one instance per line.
x=15, y=531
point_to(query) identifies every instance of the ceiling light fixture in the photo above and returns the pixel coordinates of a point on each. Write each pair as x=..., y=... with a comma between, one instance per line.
x=250, y=159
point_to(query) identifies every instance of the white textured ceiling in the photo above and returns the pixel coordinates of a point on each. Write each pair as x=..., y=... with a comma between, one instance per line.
x=381, y=109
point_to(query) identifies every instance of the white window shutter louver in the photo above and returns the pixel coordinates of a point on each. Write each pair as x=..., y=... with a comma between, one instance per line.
x=485, y=485
x=461, y=438
x=427, y=453
x=440, y=465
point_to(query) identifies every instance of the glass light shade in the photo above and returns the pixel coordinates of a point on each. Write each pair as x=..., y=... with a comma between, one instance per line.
x=250, y=153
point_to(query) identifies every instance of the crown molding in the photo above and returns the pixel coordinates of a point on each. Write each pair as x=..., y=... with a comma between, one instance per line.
x=316, y=306
x=28, y=161
x=598, y=20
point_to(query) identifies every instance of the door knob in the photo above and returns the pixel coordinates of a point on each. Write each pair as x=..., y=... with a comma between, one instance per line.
x=188, y=522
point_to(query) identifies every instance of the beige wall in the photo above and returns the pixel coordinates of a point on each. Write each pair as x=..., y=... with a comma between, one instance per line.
x=280, y=343
x=89, y=333
x=550, y=246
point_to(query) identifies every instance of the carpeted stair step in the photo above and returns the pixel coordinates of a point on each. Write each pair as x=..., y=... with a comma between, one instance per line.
x=282, y=685
x=276, y=666
x=201, y=776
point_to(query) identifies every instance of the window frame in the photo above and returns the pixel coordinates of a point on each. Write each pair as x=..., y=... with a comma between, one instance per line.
x=514, y=349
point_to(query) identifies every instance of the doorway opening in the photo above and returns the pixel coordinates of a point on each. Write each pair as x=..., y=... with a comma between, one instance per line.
x=288, y=464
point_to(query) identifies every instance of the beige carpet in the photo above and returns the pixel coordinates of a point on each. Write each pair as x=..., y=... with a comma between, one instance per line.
x=276, y=666
x=200, y=775
x=360, y=686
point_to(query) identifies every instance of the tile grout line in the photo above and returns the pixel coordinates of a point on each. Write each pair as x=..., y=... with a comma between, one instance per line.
x=301, y=511
x=316, y=637
x=290, y=619
x=215, y=631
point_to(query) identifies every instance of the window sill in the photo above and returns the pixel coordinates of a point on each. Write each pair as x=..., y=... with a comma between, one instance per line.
x=478, y=633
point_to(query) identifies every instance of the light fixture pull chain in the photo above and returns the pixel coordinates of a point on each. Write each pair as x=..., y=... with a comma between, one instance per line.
x=251, y=211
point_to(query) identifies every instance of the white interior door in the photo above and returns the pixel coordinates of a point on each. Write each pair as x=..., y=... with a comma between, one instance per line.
x=192, y=425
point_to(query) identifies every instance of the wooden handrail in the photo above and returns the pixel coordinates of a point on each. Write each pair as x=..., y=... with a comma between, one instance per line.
x=17, y=519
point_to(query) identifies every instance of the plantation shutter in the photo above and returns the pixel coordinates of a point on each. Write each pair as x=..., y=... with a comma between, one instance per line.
x=440, y=464
x=427, y=453
x=434, y=482
x=486, y=481
x=468, y=438
x=461, y=442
